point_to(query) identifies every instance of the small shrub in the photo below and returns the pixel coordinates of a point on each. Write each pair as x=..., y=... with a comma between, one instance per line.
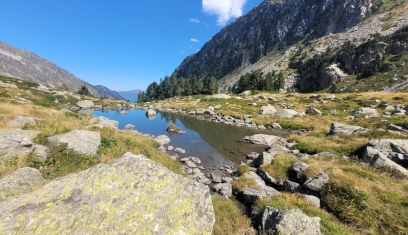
x=242, y=169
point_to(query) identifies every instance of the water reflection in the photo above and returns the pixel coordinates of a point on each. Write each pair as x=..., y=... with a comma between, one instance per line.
x=215, y=144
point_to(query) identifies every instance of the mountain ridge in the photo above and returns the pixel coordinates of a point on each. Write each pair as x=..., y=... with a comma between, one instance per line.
x=27, y=65
x=272, y=34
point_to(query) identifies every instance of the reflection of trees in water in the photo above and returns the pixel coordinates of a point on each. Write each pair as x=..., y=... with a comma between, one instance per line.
x=221, y=137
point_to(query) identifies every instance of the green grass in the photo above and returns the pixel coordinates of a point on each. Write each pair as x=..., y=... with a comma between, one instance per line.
x=280, y=166
x=228, y=218
x=242, y=169
x=242, y=183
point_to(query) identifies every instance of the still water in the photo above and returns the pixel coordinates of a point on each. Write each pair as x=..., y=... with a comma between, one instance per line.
x=214, y=143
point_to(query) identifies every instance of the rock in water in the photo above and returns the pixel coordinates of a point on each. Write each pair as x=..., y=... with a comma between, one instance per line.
x=21, y=181
x=261, y=139
x=150, y=112
x=132, y=195
x=82, y=142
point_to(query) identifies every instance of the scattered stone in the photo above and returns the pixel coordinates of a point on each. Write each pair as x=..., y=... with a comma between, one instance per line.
x=318, y=182
x=277, y=126
x=315, y=201
x=221, y=96
x=365, y=111
x=202, y=179
x=313, y=111
x=286, y=113
x=169, y=148
x=393, y=127
x=289, y=221
x=246, y=93
x=300, y=168
x=292, y=187
x=215, y=178
x=162, y=139
x=191, y=164
x=179, y=150
x=346, y=130
x=379, y=160
x=75, y=202
x=129, y=127
x=195, y=159
x=227, y=179
x=267, y=109
x=103, y=122
x=20, y=121
x=21, y=181
x=82, y=142
x=224, y=189
x=264, y=158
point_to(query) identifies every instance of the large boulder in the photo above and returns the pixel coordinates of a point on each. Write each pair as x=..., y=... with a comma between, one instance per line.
x=132, y=195
x=82, y=142
x=261, y=139
x=85, y=104
x=246, y=93
x=289, y=221
x=20, y=121
x=264, y=158
x=267, y=109
x=346, y=130
x=365, y=111
x=21, y=181
x=103, y=122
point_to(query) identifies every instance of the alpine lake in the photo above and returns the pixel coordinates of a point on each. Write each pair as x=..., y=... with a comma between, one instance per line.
x=215, y=144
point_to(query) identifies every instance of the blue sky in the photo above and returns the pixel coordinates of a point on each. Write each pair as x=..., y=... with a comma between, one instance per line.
x=124, y=44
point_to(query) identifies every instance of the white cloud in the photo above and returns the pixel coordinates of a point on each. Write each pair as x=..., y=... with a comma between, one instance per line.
x=195, y=20
x=194, y=40
x=224, y=9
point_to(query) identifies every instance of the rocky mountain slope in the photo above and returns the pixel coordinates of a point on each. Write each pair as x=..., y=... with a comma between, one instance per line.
x=28, y=66
x=277, y=34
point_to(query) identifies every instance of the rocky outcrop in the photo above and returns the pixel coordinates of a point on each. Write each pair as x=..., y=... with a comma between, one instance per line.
x=82, y=142
x=346, y=130
x=132, y=195
x=270, y=26
x=313, y=111
x=21, y=181
x=289, y=221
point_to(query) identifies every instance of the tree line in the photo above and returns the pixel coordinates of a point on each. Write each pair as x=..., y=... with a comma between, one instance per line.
x=172, y=86
x=256, y=80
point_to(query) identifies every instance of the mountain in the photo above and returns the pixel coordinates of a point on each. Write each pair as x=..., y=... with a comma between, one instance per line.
x=130, y=95
x=26, y=65
x=281, y=34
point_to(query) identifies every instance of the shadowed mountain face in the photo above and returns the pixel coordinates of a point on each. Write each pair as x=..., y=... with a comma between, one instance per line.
x=25, y=65
x=273, y=25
